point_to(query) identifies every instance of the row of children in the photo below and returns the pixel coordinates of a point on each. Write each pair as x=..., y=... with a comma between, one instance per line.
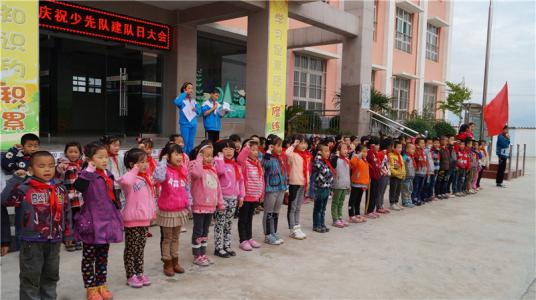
x=89, y=198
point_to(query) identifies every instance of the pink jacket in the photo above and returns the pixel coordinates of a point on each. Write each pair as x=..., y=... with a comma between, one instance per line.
x=253, y=176
x=174, y=192
x=206, y=190
x=230, y=186
x=139, y=208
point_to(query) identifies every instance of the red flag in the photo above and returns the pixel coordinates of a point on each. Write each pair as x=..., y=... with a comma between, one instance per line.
x=496, y=112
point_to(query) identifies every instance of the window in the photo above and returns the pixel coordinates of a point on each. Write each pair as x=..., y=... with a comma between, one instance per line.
x=403, y=30
x=94, y=85
x=400, y=101
x=372, y=78
x=309, y=82
x=430, y=99
x=375, y=24
x=79, y=84
x=432, y=42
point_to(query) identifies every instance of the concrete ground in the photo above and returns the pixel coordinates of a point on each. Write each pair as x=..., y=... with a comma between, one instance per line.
x=477, y=247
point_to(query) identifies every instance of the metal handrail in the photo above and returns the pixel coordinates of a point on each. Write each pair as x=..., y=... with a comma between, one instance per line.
x=393, y=127
x=395, y=122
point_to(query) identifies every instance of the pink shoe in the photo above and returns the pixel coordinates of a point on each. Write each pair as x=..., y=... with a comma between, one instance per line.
x=376, y=214
x=201, y=261
x=344, y=223
x=134, y=282
x=254, y=243
x=372, y=216
x=245, y=246
x=144, y=279
x=338, y=224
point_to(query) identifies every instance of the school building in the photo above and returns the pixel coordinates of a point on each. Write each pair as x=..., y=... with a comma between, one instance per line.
x=116, y=66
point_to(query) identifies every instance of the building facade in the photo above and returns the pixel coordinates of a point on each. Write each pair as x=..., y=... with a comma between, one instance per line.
x=90, y=85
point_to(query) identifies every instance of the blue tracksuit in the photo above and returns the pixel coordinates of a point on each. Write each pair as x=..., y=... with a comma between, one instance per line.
x=188, y=128
x=212, y=121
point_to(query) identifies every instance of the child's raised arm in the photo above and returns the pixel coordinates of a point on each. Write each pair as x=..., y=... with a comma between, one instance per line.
x=160, y=171
x=219, y=164
x=196, y=167
x=243, y=156
x=129, y=178
x=179, y=101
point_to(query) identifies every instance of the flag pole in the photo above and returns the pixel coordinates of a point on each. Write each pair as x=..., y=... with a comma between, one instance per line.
x=486, y=71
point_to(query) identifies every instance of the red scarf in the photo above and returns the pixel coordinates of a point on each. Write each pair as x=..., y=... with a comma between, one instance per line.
x=109, y=184
x=328, y=163
x=181, y=170
x=78, y=163
x=346, y=160
x=235, y=166
x=114, y=158
x=147, y=180
x=413, y=159
x=305, y=156
x=209, y=167
x=152, y=164
x=55, y=205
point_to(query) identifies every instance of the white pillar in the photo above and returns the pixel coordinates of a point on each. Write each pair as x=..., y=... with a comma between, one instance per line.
x=421, y=57
x=389, y=43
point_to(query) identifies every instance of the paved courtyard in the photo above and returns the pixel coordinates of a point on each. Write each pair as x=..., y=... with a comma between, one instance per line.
x=478, y=247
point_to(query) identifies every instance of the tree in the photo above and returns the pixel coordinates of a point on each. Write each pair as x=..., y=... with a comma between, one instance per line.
x=379, y=102
x=458, y=96
x=443, y=128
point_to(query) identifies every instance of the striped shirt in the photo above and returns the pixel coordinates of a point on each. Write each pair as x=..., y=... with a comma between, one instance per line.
x=254, y=181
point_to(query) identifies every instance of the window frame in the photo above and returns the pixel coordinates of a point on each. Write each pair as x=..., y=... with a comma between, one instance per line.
x=432, y=42
x=403, y=30
x=401, y=86
x=430, y=100
x=309, y=91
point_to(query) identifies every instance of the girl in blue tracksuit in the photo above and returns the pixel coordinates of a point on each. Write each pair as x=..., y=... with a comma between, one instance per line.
x=188, y=128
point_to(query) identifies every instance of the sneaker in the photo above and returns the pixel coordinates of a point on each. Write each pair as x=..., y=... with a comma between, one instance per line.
x=254, y=243
x=71, y=248
x=92, y=293
x=338, y=224
x=501, y=185
x=408, y=204
x=300, y=233
x=278, y=238
x=201, y=261
x=144, y=279
x=395, y=207
x=371, y=216
x=105, y=292
x=134, y=282
x=452, y=195
x=230, y=251
x=270, y=240
x=210, y=261
x=222, y=253
x=325, y=228
x=318, y=229
x=245, y=246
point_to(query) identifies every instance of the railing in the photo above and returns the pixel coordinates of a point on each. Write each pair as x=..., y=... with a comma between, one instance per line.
x=390, y=127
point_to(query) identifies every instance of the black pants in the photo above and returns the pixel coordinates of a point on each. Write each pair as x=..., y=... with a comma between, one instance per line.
x=480, y=173
x=39, y=270
x=213, y=136
x=245, y=221
x=372, y=193
x=395, y=185
x=500, y=170
x=200, y=233
x=354, y=203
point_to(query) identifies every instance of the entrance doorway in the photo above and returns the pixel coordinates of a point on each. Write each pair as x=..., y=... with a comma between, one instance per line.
x=94, y=89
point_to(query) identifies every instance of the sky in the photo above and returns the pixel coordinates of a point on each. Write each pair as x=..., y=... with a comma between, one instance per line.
x=513, y=52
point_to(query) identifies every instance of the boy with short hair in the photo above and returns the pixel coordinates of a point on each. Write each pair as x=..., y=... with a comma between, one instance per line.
x=17, y=159
x=441, y=188
x=428, y=188
x=407, y=184
x=46, y=205
x=421, y=171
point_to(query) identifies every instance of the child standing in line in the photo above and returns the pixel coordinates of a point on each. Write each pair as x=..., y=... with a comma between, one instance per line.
x=444, y=167
x=115, y=163
x=452, y=168
x=138, y=212
x=254, y=193
x=407, y=183
x=483, y=161
x=207, y=196
x=299, y=161
x=462, y=165
x=375, y=176
x=421, y=172
x=469, y=170
x=146, y=144
x=67, y=171
x=341, y=184
x=99, y=222
x=386, y=146
x=475, y=168
x=232, y=188
x=428, y=188
x=324, y=174
x=360, y=182
x=398, y=173
x=173, y=202
x=45, y=205
x=276, y=181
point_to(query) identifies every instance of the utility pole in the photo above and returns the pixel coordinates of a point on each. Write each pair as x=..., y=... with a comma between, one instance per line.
x=486, y=71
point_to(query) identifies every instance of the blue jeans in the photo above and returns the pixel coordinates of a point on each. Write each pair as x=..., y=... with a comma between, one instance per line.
x=460, y=181
x=452, y=180
x=418, y=184
x=319, y=210
x=428, y=190
x=188, y=134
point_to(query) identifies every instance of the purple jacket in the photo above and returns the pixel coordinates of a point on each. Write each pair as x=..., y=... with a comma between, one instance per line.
x=99, y=221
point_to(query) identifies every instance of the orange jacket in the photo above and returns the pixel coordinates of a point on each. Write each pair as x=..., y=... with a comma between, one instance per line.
x=360, y=171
